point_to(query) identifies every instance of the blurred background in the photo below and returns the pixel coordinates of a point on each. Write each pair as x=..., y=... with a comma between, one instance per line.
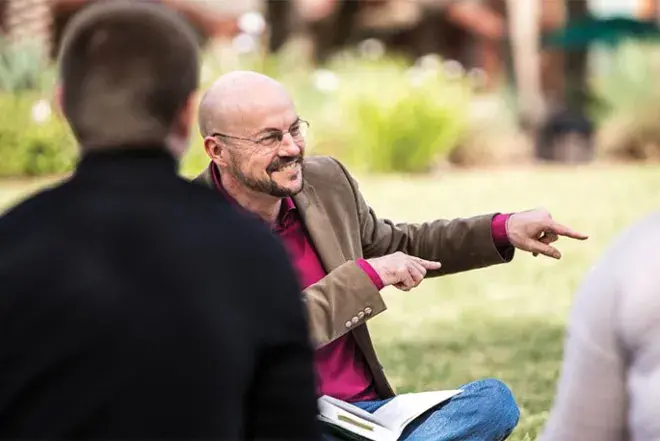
x=441, y=108
x=469, y=83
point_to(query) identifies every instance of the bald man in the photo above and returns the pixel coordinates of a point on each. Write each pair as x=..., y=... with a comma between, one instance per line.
x=344, y=254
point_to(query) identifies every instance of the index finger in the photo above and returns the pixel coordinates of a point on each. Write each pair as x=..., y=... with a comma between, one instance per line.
x=565, y=231
x=429, y=265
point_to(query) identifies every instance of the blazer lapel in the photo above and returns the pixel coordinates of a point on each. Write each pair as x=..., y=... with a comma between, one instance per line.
x=320, y=230
x=315, y=219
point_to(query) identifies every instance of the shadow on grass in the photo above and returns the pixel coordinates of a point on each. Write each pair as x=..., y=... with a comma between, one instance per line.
x=525, y=354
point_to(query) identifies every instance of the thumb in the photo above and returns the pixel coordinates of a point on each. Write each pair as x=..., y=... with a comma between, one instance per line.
x=427, y=264
x=538, y=247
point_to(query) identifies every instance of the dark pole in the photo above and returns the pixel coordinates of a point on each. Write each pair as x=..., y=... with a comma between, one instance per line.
x=576, y=62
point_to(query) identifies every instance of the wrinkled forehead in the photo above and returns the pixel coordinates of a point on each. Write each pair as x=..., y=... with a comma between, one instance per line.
x=254, y=111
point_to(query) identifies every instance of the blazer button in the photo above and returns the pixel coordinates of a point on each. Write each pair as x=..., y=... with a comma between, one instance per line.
x=367, y=310
x=355, y=320
x=360, y=315
x=348, y=324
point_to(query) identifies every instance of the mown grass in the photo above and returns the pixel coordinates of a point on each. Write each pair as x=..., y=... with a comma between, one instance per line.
x=505, y=321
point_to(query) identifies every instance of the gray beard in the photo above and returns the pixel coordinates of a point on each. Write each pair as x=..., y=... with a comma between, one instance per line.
x=266, y=186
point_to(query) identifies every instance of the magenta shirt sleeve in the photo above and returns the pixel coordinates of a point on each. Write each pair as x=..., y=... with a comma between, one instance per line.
x=498, y=230
x=371, y=272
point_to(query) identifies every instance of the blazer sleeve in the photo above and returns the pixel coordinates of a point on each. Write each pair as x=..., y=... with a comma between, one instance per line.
x=347, y=298
x=459, y=244
x=339, y=302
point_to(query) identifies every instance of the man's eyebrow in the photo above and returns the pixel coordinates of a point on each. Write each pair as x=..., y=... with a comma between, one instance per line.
x=270, y=130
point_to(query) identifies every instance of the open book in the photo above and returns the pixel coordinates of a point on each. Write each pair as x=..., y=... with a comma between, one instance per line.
x=385, y=424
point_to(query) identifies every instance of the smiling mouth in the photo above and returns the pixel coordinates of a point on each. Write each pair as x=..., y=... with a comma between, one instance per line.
x=289, y=166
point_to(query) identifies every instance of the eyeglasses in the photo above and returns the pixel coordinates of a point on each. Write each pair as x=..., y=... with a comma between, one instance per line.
x=298, y=131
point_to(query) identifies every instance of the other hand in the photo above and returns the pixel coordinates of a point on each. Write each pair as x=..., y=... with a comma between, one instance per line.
x=535, y=230
x=401, y=270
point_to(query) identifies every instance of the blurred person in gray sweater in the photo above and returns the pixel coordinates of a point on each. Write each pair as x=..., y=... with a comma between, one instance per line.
x=609, y=388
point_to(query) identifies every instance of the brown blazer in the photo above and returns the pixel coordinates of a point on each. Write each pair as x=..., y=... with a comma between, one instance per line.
x=343, y=229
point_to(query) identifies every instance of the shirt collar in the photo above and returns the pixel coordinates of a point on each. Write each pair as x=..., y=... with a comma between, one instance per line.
x=285, y=217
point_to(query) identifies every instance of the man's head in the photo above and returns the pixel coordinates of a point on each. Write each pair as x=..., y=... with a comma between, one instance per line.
x=129, y=71
x=252, y=132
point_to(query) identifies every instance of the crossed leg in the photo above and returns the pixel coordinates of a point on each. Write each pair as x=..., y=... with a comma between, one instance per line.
x=485, y=411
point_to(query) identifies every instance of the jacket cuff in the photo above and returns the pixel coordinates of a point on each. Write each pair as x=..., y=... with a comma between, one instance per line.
x=371, y=272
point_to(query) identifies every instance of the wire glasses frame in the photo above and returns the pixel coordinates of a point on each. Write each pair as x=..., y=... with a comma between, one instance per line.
x=298, y=131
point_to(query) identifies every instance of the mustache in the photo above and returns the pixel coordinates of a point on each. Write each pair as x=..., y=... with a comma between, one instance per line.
x=282, y=162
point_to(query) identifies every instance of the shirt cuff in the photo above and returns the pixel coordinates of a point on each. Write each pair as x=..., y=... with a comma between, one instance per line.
x=371, y=272
x=498, y=230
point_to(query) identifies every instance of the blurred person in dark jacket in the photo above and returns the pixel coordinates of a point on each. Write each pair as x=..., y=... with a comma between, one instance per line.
x=129, y=306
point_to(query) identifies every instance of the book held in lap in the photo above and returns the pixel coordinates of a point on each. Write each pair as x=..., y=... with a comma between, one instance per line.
x=387, y=423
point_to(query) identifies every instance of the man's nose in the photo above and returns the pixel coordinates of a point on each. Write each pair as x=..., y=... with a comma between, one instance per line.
x=288, y=146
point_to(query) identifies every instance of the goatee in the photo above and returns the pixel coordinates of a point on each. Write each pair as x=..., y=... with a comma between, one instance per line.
x=269, y=186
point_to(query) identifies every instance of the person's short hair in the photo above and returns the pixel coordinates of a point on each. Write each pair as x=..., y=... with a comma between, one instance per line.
x=127, y=69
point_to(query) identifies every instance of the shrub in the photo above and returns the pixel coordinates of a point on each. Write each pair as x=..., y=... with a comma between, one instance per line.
x=387, y=117
x=30, y=144
x=492, y=136
x=627, y=97
x=378, y=115
x=195, y=160
x=24, y=67
x=27, y=147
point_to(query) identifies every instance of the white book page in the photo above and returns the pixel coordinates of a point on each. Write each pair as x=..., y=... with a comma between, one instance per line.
x=339, y=417
x=350, y=409
x=402, y=409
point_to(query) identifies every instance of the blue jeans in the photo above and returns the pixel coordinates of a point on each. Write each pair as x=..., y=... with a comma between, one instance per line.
x=484, y=411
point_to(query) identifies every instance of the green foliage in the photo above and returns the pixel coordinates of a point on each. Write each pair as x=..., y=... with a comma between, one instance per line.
x=377, y=115
x=195, y=160
x=23, y=67
x=492, y=136
x=628, y=102
x=29, y=148
x=628, y=80
x=388, y=117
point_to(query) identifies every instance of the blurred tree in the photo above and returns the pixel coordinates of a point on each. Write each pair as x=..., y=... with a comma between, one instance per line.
x=470, y=32
x=524, y=37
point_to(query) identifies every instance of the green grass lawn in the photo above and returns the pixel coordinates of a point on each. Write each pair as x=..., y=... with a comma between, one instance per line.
x=505, y=321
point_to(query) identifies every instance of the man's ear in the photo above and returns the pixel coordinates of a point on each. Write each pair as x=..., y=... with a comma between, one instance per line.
x=215, y=150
